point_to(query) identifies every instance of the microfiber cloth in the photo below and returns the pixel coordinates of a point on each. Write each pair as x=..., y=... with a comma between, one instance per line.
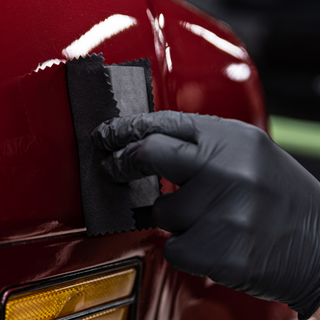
x=98, y=93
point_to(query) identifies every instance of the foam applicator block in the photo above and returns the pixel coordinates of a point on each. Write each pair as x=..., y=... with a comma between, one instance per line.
x=131, y=94
x=106, y=206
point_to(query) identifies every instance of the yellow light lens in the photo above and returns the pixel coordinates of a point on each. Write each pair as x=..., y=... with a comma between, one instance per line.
x=69, y=298
x=114, y=314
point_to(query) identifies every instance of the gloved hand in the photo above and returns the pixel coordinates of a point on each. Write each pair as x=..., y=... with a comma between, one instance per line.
x=246, y=215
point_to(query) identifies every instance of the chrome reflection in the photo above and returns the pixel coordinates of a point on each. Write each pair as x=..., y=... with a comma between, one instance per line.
x=97, y=34
x=224, y=45
x=238, y=72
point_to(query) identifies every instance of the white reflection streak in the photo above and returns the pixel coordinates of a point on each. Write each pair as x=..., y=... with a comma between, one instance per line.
x=97, y=34
x=168, y=58
x=238, y=72
x=49, y=63
x=220, y=43
x=157, y=34
x=161, y=21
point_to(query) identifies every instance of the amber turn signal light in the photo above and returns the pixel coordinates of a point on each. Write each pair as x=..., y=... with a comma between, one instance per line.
x=73, y=297
x=113, y=314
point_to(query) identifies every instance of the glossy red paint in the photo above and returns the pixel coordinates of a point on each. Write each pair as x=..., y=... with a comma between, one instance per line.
x=198, y=65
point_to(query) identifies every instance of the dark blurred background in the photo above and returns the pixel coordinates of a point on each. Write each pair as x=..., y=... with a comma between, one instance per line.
x=283, y=38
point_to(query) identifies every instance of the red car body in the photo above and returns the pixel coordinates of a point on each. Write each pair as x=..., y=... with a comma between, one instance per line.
x=198, y=65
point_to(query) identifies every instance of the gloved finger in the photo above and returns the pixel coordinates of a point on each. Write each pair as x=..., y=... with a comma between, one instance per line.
x=172, y=158
x=176, y=212
x=116, y=133
x=182, y=254
x=222, y=250
x=180, y=210
x=201, y=248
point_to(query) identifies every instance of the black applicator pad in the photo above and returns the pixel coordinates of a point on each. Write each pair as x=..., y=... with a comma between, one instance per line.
x=106, y=206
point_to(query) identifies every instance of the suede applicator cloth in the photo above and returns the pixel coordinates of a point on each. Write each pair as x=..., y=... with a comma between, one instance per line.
x=106, y=206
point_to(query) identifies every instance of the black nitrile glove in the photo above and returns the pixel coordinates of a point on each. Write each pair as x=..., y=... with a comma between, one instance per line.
x=246, y=215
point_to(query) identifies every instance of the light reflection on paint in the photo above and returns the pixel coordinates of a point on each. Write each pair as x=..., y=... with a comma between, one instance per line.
x=159, y=31
x=49, y=63
x=161, y=47
x=168, y=58
x=97, y=34
x=238, y=72
x=161, y=21
x=158, y=35
x=226, y=46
